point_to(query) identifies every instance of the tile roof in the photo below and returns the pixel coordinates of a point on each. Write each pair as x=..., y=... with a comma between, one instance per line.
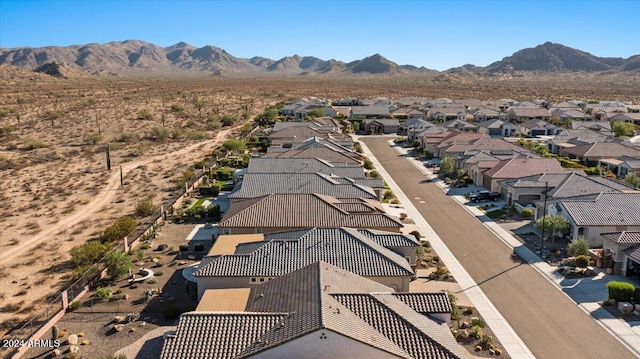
x=302, y=210
x=603, y=149
x=260, y=184
x=326, y=153
x=625, y=237
x=608, y=209
x=343, y=247
x=530, y=112
x=304, y=165
x=521, y=167
x=196, y=332
x=578, y=185
x=317, y=297
x=374, y=110
x=416, y=335
x=390, y=239
x=426, y=303
x=633, y=253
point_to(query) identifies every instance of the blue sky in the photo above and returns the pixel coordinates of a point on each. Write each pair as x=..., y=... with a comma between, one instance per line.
x=434, y=34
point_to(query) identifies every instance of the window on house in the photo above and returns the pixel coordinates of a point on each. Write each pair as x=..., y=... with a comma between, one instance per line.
x=261, y=280
x=258, y=230
x=254, y=280
x=226, y=231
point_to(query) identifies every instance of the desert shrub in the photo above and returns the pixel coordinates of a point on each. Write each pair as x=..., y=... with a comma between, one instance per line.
x=88, y=253
x=176, y=107
x=476, y=332
x=228, y=120
x=527, y=213
x=582, y=261
x=159, y=133
x=477, y=322
x=145, y=115
x=388, y=194
x=368, y=164
x=74, y=305
x=128, y=136
x=486, y=339
x=224, y=174
x=32, y=143
x=145, y=207
x=92, y=138
x=103, y=293
x=191, y=134
x=578, y=247
x=119, y=229
x=620, y=291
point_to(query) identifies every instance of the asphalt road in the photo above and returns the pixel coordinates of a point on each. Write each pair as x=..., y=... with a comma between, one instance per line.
x=548, y=322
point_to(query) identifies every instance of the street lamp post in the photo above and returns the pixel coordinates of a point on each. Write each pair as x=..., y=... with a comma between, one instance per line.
x=544, y=215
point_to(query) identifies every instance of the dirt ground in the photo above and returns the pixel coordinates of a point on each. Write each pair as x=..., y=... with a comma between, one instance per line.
x=94, y=317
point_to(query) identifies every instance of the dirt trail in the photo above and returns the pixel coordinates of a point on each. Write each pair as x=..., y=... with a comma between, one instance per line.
x=105, y=196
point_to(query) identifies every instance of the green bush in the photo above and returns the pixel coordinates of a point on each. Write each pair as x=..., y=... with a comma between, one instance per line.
x=119, y=229
x=145, y=207
x=578, y=247
x=103, y=293
x=477, y=322
x=74, y=305
x=476, y=332
x=368, y=164
x=374, y=174
x=582, y=261
x=87, y=253
x=620, y=291
x=527, y=213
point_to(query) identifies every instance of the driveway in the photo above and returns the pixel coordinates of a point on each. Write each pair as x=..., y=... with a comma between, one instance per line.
x=546, y=319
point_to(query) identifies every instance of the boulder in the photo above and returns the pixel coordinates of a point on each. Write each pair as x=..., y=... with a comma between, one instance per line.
x=118, y=319
x=57, y=352
x=74, y=349
x=163, y=247
x=143, y=323
x=464, y=334
x=464, y=325
x=73, y=339
x=118, y=327
x=625, y=307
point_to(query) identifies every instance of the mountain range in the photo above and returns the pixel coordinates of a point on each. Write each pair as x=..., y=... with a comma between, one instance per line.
x=139, y=57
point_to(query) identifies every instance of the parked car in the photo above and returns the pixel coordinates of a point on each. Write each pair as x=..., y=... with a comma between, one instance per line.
x=482, y=196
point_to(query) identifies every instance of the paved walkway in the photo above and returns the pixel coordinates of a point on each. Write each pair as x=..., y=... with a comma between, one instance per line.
x=586, y=292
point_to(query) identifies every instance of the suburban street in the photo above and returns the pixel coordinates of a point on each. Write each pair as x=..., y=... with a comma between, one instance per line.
x=548, y=322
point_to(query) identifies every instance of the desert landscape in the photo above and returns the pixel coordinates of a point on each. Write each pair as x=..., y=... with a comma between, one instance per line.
x=57, y=123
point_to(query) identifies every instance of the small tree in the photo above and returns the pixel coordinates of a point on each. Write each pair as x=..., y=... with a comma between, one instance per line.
x=355, y=125
x=447, y=165
x=553, y=225
x=578, y=247
x=119, y=229
x=621, y=128
x=118, y=264
x=87, y=253
x=633, y=180
x=270, y=114
x=316, y=112
x=233, y=144
x=527, y=213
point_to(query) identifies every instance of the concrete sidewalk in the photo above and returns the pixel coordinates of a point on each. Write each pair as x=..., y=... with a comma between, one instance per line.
x=585, y=292
x=501, y=329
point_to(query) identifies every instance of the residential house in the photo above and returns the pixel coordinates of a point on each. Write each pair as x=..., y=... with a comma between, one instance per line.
x=603, y=127
x=305, y=165
x=625, y=251
x=632, y=117
x=319, y=310
x=319, y=149
x=486, y=114
x=348, y=101
x=432, y=137
x=524, y=114
x=476, y=162
x=444, y=114
x=537, y=127
x=518, y=167
x=414, y=126
x=458, y=145
x=280, y=253
x=527, y=190
x=259, y=184
x=606, y=113
x=373, y=126
x=279, y=212
x=497, y=127
x=363, y=112
x=290, y=136
x=407, y=113
x=589, y=154
x=566, y=115
x=460, y=125
x=621, y=166
x=591, y=215
x=470, y=103
x=569, y=138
